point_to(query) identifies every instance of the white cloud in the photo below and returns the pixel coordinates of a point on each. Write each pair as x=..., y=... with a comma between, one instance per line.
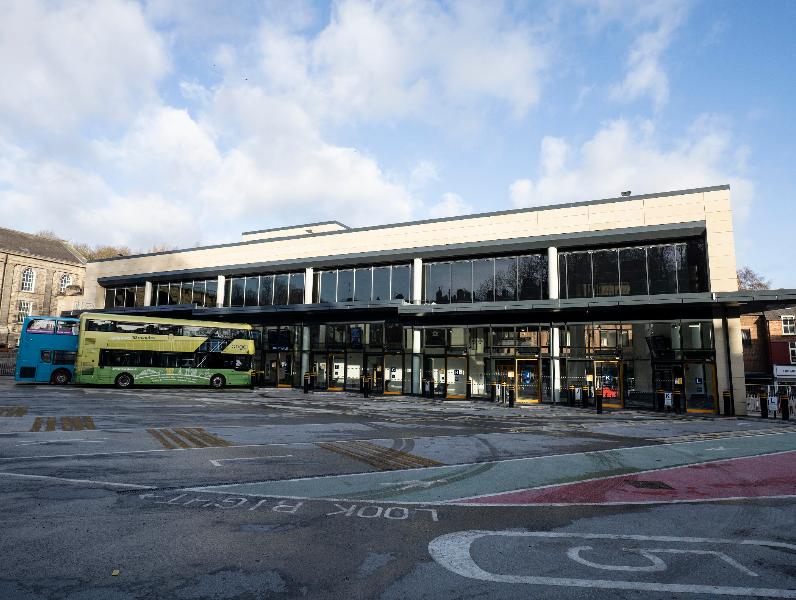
x=450, y=205
x=424, y=173
x=66, y=63
x=655, y=24
x=625, y=155
x=394, y=59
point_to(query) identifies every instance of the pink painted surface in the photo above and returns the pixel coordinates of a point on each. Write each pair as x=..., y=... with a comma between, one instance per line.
x=773, y=475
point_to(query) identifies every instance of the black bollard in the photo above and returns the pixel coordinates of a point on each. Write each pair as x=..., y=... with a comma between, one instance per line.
x=598, y=395
x=763, y=405
x=511, y=397
x=784, y=407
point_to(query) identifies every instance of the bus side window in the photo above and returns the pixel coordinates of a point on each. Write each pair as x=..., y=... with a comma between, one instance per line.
x=46, y=356
x=41, y=326
x=67, y=328
x=63, y=357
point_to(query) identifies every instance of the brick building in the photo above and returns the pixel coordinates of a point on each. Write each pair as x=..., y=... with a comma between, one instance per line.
x=34, y=273
x=769, y=348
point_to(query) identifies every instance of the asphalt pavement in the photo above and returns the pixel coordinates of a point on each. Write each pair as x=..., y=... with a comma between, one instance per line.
x=270, y=493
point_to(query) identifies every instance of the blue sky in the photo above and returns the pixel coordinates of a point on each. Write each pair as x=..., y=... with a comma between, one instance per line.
x=186, y=123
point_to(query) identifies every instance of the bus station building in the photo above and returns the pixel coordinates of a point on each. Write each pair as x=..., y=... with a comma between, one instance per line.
x=628, y=298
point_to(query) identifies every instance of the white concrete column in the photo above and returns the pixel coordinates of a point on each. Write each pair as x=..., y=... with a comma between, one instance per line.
x=417, y=281
x=555, y=342
x=730, y=373
x=417, y=362
x=220, y=291
x=552, y=272
x=309, y=281
x=147, y=293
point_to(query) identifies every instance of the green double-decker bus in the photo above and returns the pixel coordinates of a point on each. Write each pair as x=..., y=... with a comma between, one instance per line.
x=125, y=350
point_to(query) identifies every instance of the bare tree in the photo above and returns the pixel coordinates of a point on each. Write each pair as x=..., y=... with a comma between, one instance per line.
x=101, y=251
x=47, y=234
x=751, y=280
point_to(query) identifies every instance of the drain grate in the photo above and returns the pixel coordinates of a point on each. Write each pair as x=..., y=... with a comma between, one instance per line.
x=649, y=485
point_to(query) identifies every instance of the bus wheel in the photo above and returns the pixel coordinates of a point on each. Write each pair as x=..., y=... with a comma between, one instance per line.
x=217, y=382
x=124, y=380
x=61, y=377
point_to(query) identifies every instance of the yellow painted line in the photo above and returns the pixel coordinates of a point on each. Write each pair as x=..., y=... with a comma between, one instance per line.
x=701, y=410
x=216, y=440
x=611, y=405
x=88, y=422
x=191, y=438
x=174, y=438
x=13, y=411
x=385, y=459
x=392, y=393
x=159, y=437
x=66, y=423
x=36, y=424
x=50, y=423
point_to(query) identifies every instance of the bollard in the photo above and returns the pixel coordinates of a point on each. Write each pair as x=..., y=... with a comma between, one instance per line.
x=571, y=398
x=676, y=397
x=659, y=400
x=511, y=397
x=598, y=396
x=365, y=387
x=584, y=397
x=469, y=389
x=306, y=383
x=784, y=407
x=763, y=405
x=492, y=393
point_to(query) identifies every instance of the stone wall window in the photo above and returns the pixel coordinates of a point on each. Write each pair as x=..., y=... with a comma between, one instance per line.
x=64, y=282
x=28, y=279
x=24, y=309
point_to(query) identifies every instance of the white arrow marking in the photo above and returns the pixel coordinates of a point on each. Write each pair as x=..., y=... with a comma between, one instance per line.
x=716, y=448
x=415, y=483
x=217, y=462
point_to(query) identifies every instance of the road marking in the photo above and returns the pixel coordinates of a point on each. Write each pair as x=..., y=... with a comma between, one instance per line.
x=216, y=462
x=13, y=411
x=63, y=440
x=452, y=552
x=68, y=423
x=68, y=480
x=187, y=437
x=384, y=459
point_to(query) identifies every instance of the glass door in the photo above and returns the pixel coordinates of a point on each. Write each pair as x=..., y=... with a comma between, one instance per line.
x=353, y=372
x=607, y=377
x=504, y=378
x=375, y=372
x=319, y=368
x=528, y=384
x=699, y=383
x=456, y=377
x=336, y=371
x=393, y=374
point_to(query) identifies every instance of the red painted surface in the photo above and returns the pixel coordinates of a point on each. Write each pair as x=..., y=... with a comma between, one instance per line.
x=773, y=475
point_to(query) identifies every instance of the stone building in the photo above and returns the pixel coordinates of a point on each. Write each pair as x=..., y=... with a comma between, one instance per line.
x=769, y=348
x=34, y=273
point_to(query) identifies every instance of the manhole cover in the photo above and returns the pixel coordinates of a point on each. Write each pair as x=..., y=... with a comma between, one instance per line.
x=649, y=485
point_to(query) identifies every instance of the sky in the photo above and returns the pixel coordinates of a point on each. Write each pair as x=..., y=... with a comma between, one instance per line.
x=184, y=123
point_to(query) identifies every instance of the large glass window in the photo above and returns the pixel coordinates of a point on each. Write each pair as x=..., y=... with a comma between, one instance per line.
x=532, y=277
x=162, y=294
x=461, y=281
x=381, y=284
x=438, y=280
x=401, y=282
x=606, y=273
x=211, y=292
x=266, y=293
x=633, y=271
x=281, y=289
x=662, y=264
x=328, y=291
x=484, y=280
x=236, y=289
x=251, y=295
x=692, y=269
x=579, y=284
x=296, y=288
x=345, y=285
x=505, y=279
x=363, y=282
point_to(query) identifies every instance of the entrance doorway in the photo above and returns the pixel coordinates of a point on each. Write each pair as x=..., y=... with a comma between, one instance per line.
x=278, y=369
x=607, y=377
x=528, y=381
x=456, y=378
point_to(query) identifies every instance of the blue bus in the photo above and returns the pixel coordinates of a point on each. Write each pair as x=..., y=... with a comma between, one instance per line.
x=47, y=350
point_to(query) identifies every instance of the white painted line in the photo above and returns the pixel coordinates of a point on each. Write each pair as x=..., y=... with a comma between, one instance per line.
x=217, y=461
x=90, y=481
x=62, y=440
x=452, y=552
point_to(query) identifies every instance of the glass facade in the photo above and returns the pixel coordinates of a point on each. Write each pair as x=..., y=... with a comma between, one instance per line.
x=363, y=284
x=486, y=279
x=264, y=290
x=658, y=269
